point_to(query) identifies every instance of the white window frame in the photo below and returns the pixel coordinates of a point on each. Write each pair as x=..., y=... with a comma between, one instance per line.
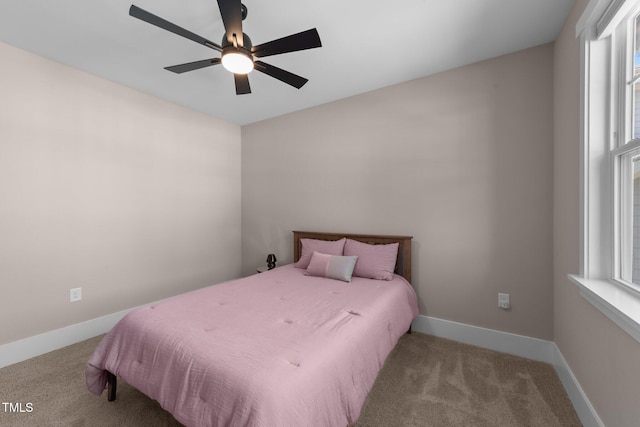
x=602, y=100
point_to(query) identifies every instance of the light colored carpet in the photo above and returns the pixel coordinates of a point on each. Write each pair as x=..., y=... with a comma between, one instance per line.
x=426, y=381
x=429, y=381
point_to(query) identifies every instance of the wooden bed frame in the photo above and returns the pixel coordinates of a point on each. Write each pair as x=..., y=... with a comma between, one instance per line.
x=403, y=268
x=403, y=261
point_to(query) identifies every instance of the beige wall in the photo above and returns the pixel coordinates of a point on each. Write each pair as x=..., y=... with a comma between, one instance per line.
x=603, y=357
x=102, y=187
x=461, y=160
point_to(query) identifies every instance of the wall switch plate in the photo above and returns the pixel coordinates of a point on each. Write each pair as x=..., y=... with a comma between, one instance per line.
x=504, y=301
x=75, y=294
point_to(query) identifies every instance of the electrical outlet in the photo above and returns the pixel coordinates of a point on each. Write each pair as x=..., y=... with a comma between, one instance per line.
x=504, y=301
x=75, y=294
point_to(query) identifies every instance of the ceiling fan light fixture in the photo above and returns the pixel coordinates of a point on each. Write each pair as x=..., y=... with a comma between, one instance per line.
x=237, y=62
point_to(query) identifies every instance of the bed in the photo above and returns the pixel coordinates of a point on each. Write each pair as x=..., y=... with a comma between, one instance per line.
x=280, y=348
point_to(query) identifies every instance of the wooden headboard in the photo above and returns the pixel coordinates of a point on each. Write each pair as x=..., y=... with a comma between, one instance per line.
x=403, y=261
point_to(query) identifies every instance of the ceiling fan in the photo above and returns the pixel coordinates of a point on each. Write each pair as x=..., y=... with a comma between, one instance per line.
x=238, y=53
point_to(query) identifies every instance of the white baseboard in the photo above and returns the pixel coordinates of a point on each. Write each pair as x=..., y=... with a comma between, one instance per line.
x=518, y=345
x=37, y=345
x=581, y=403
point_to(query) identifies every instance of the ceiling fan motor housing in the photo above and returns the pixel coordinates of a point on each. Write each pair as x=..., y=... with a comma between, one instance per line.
x=236, y=58
x=228, y=47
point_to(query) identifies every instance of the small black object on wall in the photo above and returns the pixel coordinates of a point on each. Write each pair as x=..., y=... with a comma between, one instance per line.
x=271, y=261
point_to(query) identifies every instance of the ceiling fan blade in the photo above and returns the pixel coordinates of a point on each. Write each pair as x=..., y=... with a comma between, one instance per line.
x=231, y=12
x=280, y=74
x=300, y=41
x=152, y=19
x=242, y=84
x=190, y=66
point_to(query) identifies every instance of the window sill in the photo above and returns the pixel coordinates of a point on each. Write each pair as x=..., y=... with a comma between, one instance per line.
x=617, y=303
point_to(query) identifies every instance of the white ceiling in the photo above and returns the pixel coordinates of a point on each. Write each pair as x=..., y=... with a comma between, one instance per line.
x=367, y=44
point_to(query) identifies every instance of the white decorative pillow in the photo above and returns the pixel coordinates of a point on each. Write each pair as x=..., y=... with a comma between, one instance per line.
x=332, y=266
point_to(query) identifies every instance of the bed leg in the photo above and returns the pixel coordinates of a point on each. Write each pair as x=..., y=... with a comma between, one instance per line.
x=112, y=382
x=409, y=331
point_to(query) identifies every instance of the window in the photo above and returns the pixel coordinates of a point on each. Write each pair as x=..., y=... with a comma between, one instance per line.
x=630, y=259
x=625, y=154
x=609, y=32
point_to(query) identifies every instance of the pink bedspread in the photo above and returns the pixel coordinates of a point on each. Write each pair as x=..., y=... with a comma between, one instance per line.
x=273, y=349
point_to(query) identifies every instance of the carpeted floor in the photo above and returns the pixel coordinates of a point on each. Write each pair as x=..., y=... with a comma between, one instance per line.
x=429, y=381
x=426, y=381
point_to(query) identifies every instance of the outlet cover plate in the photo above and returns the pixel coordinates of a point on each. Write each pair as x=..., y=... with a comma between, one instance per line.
x=75, y=294
x=504, y=301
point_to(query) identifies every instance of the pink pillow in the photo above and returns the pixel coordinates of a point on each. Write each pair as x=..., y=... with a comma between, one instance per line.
x=330, y=247
x=374, y=261
x=332, y=266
